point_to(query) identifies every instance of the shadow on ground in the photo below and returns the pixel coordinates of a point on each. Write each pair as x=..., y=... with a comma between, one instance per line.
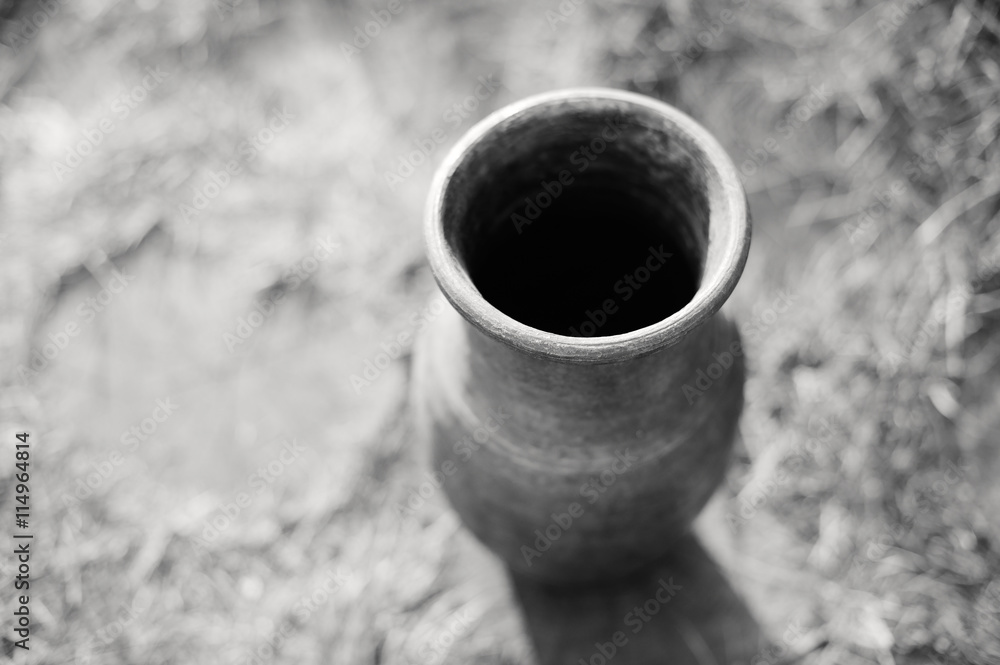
x=680, y=610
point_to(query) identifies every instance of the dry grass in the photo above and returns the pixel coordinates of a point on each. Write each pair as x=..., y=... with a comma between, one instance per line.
x=877, y=389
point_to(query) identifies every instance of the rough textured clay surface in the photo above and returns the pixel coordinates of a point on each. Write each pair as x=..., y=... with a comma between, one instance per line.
x=582, y=457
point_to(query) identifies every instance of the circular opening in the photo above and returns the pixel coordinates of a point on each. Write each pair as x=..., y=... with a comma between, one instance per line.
x=575, y=239
x=587, y=214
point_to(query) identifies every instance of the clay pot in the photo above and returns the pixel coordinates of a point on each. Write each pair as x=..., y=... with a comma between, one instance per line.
x=580, y=400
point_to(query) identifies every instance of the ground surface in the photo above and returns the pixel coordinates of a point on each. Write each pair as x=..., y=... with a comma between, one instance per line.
x=858, y=523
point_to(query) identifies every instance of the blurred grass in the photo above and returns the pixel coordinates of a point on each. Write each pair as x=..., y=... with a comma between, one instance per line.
x=876, y=208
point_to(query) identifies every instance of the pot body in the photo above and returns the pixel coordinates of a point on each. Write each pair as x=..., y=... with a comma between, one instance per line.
x=581, y=458
x=576, y=472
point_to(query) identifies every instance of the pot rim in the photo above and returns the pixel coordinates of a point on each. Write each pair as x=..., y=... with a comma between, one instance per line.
x=727, y=205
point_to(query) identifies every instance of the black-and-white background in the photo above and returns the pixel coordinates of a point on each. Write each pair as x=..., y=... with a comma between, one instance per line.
x=210, y=233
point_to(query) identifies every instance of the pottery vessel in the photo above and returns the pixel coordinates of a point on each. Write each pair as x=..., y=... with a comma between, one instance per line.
x=580, y=397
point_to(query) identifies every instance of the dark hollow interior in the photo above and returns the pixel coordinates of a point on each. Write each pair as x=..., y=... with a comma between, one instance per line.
x=584, y=259
x=590, y=246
